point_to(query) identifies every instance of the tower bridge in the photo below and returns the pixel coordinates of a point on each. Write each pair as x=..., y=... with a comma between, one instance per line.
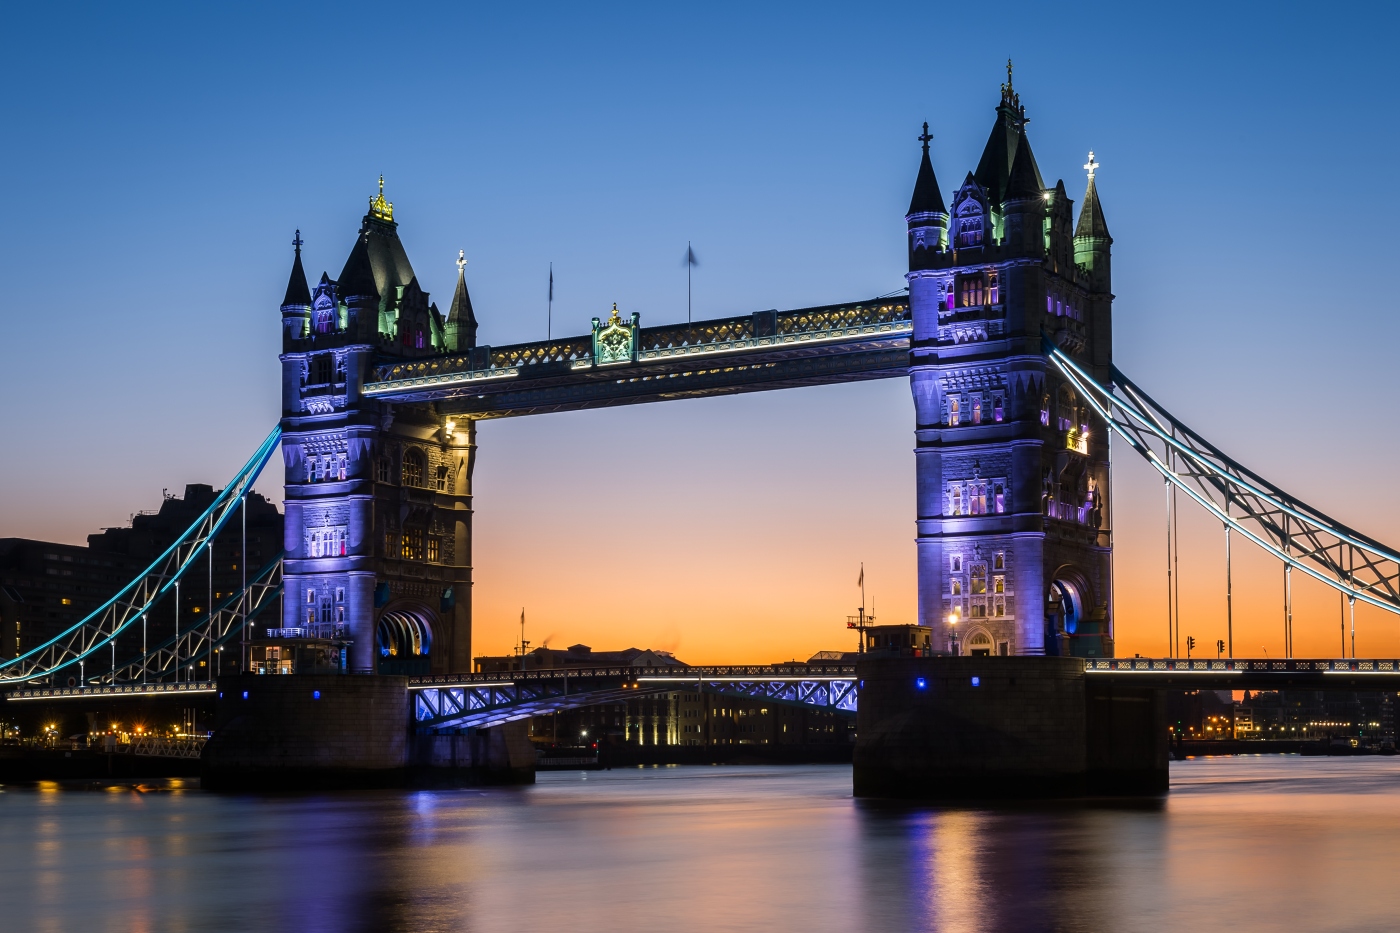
x=1005, y=337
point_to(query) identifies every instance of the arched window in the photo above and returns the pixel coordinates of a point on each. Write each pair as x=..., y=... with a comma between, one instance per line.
x=957, y=500
x=413, y=468
x=956, y=587
x=954, y=410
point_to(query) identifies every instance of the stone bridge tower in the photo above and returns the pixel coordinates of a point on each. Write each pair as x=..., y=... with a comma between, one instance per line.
x=1012, y=468
x=378, y=496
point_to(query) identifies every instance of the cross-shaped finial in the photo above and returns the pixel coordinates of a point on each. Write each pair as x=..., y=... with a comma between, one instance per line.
x=381, y=186
x=926, y=136
x=1091, y=166
x=296, y=241
x=1008, y=74
x=461, y=262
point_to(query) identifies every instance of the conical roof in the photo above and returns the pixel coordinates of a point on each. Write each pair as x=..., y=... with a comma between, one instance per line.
x=1091, y=222
x=927, y=199
x=298, y=293
x=461, y=320
x=378, y=264
x=1024, y=180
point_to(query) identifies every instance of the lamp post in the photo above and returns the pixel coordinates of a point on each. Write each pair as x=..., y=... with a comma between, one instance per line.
x=953, y=618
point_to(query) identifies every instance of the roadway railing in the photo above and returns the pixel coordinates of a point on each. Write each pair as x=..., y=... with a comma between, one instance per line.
x=1241, y=665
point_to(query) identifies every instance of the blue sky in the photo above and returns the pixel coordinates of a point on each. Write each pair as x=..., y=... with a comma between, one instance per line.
x=157, y=160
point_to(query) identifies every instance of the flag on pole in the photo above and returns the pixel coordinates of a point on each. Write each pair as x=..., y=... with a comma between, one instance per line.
x=690, y=259
x=551, y=281
x=861, y=580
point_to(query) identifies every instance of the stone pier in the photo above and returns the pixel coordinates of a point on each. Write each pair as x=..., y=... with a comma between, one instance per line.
x=1003, y=727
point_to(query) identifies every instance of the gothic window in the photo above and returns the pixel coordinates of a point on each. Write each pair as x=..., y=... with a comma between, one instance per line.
x=977, y=411
x=999, y=495
x=1045, y=410
x=997, y=411
x=1000, y=610
x=413, y=468
x=979, y=611
x=382, y=471
x=413, y=544
x=418, y=339
x=442, y=477
x=993, y=289
x=310, y=616
x=340, y=594
x=956, y=508
x=999, y=562
x=957, y=563
x=324, y=370
x=433, y=554
x=391, y=544
x=970, y=230
x=970, y=291
x=325, y=320
x=340, y=465
x=311, y=597
x=956, y=587
x=954, y=410
x=979, y=499
x=1067, y=413
x=998, y=585
x=979, y=579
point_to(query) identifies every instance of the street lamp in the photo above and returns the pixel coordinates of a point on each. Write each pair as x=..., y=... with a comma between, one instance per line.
x=953, y=618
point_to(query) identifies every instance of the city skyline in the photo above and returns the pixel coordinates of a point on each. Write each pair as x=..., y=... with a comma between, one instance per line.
x=746, y=517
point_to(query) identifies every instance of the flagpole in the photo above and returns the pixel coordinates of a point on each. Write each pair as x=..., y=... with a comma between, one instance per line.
x=549, y=318
x=689, y=261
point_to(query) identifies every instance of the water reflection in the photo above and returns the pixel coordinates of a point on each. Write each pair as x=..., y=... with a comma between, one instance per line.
x=1242, y=844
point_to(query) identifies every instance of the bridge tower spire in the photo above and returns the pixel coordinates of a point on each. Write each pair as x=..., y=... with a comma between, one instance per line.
x=1012, y=469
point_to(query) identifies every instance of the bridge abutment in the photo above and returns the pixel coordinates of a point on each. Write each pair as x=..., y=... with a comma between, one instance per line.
x=343, y=730
x=1003, y=727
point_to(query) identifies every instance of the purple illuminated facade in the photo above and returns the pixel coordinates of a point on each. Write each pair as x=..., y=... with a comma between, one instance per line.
x=1012, y=468
x=378, y=495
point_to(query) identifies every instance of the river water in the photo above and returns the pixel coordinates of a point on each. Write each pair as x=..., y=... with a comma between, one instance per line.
x=1241, y=844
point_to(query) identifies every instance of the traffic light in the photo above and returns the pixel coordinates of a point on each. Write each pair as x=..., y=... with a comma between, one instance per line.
x=1190, y=644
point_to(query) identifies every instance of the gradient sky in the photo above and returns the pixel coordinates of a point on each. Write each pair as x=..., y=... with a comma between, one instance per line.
x=157, y=159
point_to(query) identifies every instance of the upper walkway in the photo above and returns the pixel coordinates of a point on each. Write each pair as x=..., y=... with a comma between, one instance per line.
x=621, y=362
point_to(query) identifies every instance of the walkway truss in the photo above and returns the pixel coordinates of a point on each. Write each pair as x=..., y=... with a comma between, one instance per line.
x=1299, y=535
x=449, y=703
x=95, y=637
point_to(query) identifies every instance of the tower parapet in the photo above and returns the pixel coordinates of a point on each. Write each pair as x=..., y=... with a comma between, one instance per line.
x=1012, y=468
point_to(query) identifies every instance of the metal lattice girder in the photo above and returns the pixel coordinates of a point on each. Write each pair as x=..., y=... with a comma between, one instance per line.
x=457, y=701
x=1285, y=526
x=101, y=627
x=206, y=634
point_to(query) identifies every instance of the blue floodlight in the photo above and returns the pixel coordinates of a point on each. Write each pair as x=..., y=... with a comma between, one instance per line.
x=977, y=681
x=315, y=694
x=921, y=683
x=245, y=694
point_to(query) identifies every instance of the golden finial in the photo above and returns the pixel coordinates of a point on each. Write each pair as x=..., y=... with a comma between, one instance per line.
x=616, y=317
x=380, y=208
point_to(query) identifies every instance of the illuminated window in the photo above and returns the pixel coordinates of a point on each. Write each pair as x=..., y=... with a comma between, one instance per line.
x=442, y=477
x=956, y=500
x=340, y=467
x=999, y=562
x=993, y=289
x=969, y=231
x=997, y=410
x=310, y=597
x=418, y=339
x=433, y=550
x=340, y=594
x=957, y=563
x=977, y=411
x=979, y=579
x=956, y=585
x=1045, y=410
x=999, y=495
x=970, y=291
x=391, y=544
x=412, y=544
x=977, y=493
x=413, y=468
x=998, y=584
x=999, y=609
x=954, y=410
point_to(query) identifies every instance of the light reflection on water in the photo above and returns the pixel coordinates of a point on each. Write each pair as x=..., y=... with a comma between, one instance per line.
x=1259, y=843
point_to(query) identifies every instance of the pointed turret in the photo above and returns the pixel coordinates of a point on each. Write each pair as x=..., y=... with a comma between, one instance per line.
x=999, y=155
x=296, y=305
x=1024, y=180
x=461, y=320
x=1091, y=240
x=928, y=216
x=927, y=198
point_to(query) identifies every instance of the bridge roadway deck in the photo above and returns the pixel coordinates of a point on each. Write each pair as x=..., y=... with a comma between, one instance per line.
x=627, y=682
x=624, y=363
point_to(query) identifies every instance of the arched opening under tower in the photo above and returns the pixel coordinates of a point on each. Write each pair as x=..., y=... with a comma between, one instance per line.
x=1064, y=615
x=403, y=642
